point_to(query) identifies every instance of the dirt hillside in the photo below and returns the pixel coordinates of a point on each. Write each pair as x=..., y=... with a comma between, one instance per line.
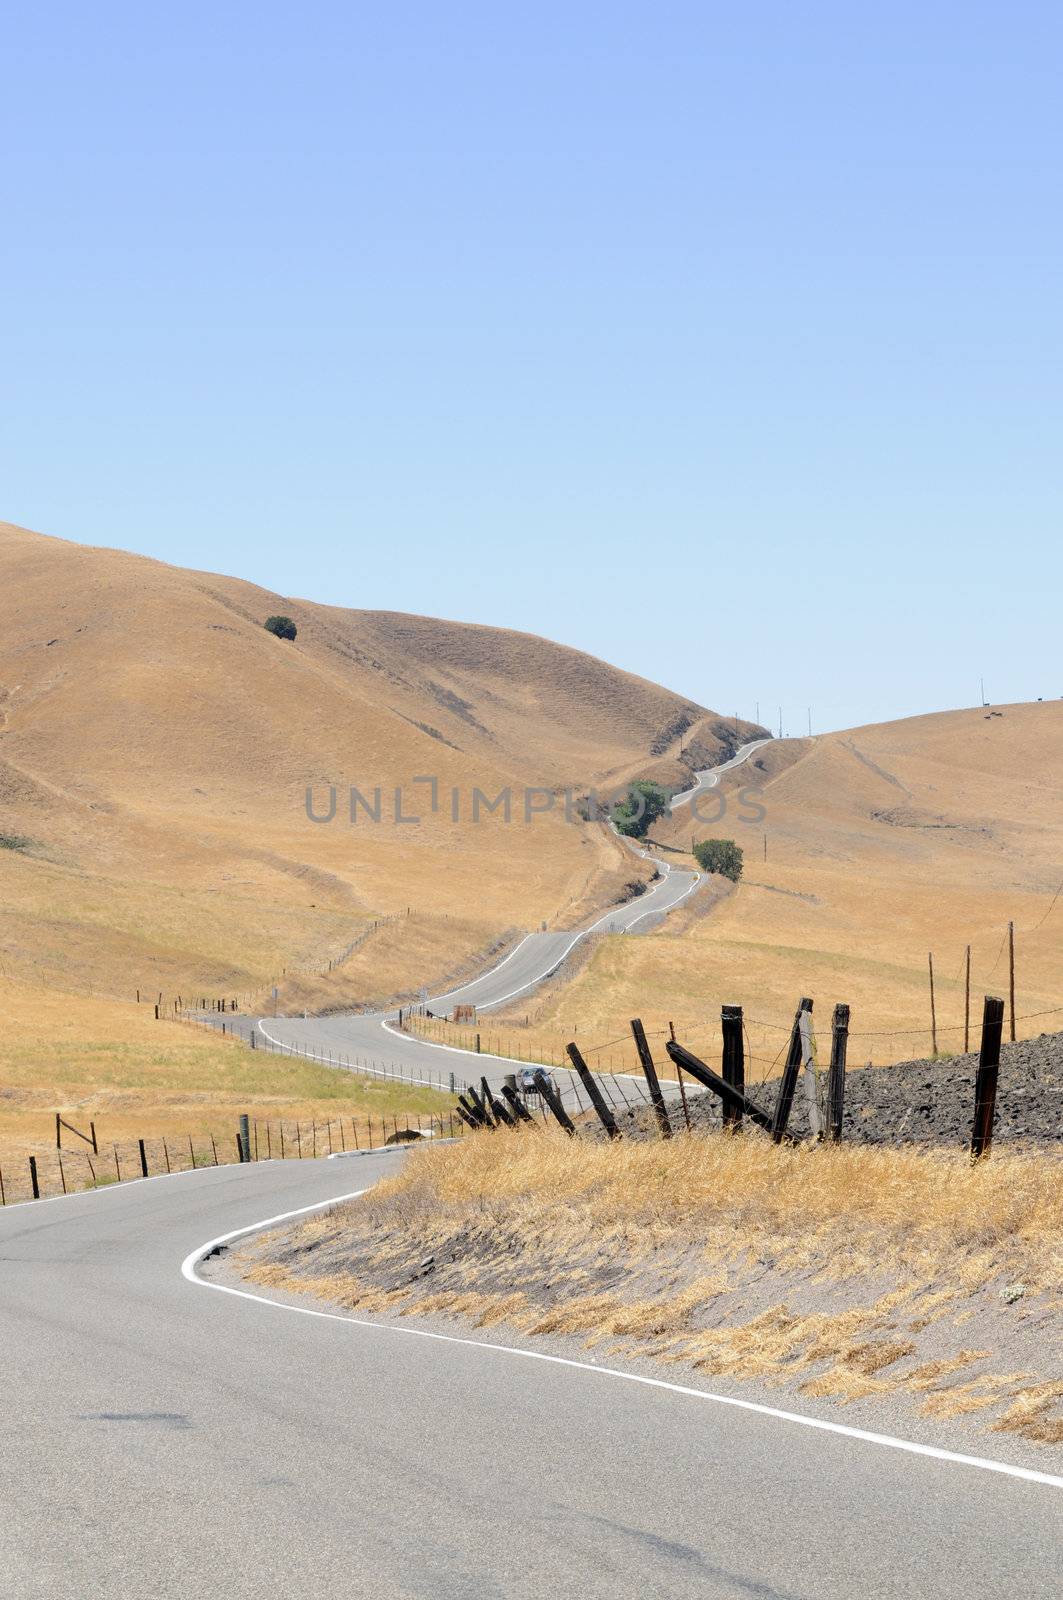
x=156, y=745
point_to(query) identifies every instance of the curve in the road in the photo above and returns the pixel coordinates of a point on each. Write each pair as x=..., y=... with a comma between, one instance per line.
x=370, y=1037
x=890, y=1441
x=157, y=1435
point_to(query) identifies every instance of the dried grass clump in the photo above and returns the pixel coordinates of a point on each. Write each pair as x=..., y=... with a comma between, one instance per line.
x=849, y=1209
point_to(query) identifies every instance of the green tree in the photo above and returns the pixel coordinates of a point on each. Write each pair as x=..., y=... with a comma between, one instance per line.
x=719, y=855
x=283, y=627
x=639, y=809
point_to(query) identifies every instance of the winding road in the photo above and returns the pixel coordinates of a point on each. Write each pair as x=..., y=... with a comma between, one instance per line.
x=160, y=1437
x=371, y=1040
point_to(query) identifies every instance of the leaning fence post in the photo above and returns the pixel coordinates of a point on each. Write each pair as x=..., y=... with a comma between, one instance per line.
x=143, y=1159
x=594, y=1094
x=788, y=1082
x=839, y=1044
x=481, y=1107
x=704, y=1074
x=34, y=1184
x=516, y=1104
x=652, y=1081
x=985, y=1083
x=553, y=1100
x=733, y=1065
x=502, y=1114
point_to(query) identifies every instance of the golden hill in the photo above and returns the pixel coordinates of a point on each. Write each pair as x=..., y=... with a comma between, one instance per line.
x=877, y=846
x=156, y=745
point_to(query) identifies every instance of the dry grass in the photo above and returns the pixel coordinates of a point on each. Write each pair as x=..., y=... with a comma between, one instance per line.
x=847, y=1209
x=95, y=1060
x=883, y=843
x=156, y=749
x=848, y=1273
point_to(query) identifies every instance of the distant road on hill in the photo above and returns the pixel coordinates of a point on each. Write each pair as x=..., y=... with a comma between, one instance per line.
x=373, y=1038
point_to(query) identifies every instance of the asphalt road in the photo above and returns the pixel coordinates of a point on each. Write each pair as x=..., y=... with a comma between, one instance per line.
x=370, y=1040
x=158, y=1437
x=709, y=777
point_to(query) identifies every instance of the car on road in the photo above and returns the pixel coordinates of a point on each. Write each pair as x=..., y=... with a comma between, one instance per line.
x=527, y=1080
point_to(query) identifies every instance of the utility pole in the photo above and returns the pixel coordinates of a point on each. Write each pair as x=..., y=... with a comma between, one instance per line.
x=780, y=722
x=758, y=713
x=1011, y=975
x=981, y=690
x=810, y=722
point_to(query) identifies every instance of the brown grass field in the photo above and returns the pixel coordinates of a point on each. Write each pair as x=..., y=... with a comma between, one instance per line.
x=884, y=844
x=156, y=745
x=847, y=1274
x=97, y=1060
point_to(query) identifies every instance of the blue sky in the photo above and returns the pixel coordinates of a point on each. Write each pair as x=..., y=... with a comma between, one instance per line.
x=721, y=341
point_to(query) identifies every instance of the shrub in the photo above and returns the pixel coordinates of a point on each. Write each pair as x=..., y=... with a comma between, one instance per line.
x=283, y=627
x=719, y=855
x=640, y=808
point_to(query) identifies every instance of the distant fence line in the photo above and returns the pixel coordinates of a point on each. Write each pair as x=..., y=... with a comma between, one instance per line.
x=366, y=1066
x=51, y=1172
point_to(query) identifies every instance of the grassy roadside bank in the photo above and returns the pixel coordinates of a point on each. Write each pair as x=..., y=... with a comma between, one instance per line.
x=848, y=1274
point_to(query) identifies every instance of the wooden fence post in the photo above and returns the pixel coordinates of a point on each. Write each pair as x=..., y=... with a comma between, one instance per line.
x=679, y=1079
x=985, y=1083
x=514, y=1101
x=933, y=1009
x=553, y=1100
x=704, y=1074
x=733, y=1065
x=967, y=1002
x=245, y=1137
x=594, y=1094
x=480, y=1106
x=808, y=1075
x=788, y=1082
x=480, y=1113
x=650, y=1074
x=34, y=1183
x=501, y=1114
x=143, y=1159
x=839, y=1044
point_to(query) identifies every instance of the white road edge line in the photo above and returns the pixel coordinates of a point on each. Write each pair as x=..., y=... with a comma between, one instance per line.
x=933, y=1452
x=303, y=1054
